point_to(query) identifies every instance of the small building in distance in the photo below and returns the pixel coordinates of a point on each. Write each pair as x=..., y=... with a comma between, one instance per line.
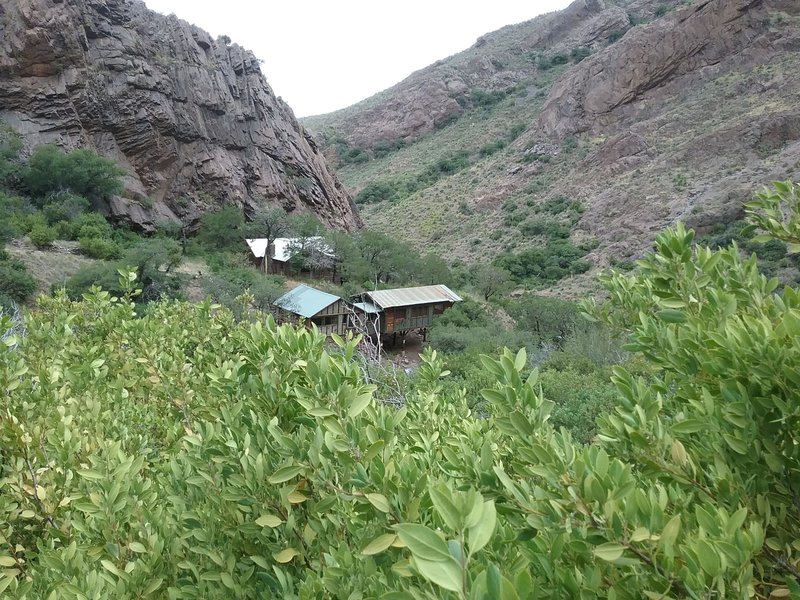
x=404, y=309
x=292, y=256
x=328, y=312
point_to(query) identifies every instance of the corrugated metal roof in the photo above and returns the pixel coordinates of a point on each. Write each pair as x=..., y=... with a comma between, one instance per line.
x=367, y=307
x=257, y=247
x=284, y=248
x=426, y=294
x=306, y=301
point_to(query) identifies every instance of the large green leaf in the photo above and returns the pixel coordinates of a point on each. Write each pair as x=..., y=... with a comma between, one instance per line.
x=445, y=574
x=423, y=542
x=482, y=532
x=610, y=551
x=379, y=544
x=285, y=474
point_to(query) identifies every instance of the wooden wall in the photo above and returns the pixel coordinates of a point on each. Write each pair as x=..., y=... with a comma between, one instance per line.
x=416, y=316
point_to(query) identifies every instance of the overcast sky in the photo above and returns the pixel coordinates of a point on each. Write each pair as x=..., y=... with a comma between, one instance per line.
x=324, y=55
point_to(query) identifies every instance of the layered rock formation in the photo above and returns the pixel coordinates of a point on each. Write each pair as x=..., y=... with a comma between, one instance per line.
x=497, y=62
x=643, y=111
x=191, y=119
x=703, y=34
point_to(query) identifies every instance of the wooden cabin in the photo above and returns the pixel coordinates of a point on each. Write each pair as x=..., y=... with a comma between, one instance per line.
x=295, y=256
x=328, y=312
x=405, y=309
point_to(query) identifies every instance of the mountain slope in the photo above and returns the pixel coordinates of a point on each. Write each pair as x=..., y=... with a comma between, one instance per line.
x=191, y=119
x=612, y=119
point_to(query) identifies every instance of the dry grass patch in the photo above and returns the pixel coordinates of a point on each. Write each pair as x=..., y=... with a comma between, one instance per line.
x=49, y=266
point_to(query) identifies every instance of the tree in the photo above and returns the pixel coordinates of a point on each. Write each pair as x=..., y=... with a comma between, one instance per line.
x=82, y=172
x=15, y=281
x=377, y=258
x=222, y=230
x=269, y=224
x=152, y=262
x=42, y=236
x=432, y=269
x=491, y=281
x=10, y=146
x=548, y=319
x=309, y=248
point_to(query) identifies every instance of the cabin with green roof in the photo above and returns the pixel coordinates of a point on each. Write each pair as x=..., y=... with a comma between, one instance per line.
x=328, y=312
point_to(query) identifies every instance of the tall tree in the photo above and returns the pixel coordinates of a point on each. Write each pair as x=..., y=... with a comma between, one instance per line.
x=269, y=224
x=222, y=230
x=490, y=281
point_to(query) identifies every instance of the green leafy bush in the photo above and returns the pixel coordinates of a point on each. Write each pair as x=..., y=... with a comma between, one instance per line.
x=492, y=148
x=102, y=274
x=453, y=339
x=182, y=455
x=382, y=149
x=82, y=172
x=559, y=205
x=546, y=227
x=64, y=207
x=546, y=264
x=151, y=262
x=15, y=281
x=10, y=146
x=87, y=225
x=42, y=236
x=98, y=247
x=487, y=99
x=14, y=212
x=615, y=36
x=773, y=255
x=378, y=191
x=464, y=314
x=578, y=54
x=351, y=156
x=578, y=400
x=222, y=230
x=553, y=60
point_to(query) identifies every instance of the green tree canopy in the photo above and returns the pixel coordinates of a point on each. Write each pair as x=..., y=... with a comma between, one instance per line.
x=223, y=230
x=83, y=172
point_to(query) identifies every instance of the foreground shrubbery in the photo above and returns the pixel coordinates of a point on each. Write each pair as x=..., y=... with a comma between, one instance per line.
x=185, y=455
x=16, y=284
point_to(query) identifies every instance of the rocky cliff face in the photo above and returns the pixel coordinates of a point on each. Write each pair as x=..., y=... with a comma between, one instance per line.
x=643, y=111
x=192, y=119
x=591, y=96
x=497, y=62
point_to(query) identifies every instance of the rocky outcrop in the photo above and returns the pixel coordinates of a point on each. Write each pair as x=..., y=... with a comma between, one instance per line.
x=436, y=95
x=191, y=119
x=591, y=95
x=678, y=111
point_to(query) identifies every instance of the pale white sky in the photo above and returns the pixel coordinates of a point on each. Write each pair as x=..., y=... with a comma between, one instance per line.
x=324, y=55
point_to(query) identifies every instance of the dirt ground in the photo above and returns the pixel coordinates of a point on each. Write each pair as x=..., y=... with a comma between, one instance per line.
x=405, y=352
x=51, y=266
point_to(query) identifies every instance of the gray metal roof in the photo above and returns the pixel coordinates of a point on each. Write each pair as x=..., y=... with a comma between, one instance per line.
x=367, y=307
x=285, y=248
x=426, y=294
x=306, y=301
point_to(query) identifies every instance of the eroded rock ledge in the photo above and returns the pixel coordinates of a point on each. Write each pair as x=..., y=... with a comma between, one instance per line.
x=192, y=119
